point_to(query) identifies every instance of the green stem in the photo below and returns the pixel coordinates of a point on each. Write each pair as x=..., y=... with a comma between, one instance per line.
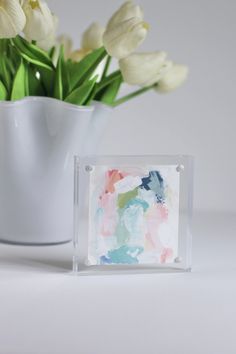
x=132, y=95
x=108, y=61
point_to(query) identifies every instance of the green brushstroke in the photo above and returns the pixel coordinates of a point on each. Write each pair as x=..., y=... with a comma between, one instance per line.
x=124, y=198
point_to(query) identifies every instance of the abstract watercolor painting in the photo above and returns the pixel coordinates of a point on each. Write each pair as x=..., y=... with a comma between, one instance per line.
x=133, y=215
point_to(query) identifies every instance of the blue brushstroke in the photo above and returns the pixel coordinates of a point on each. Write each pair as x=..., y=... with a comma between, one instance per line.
x=122, y=255
x=133, y=220
x=138, y=202
x=105, y=260
x=155, y=183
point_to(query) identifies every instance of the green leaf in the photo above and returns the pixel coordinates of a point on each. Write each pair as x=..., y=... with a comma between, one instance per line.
x=32, y=53
x=4, y=68
x=91, y=96
x=13, y=60
x=3, y=92
x=108, y=80
x=81, y=94
x=82, y=71
x=58, y=86
x=47, y=79
x=26, y=79
x=109, y=94
x=35, y=85
x=10, y=67
x=51, y=52
x=19, y=83
x=65, y=77
x=5, y=73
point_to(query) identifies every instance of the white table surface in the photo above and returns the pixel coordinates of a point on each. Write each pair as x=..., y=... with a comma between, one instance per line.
x=44, y=309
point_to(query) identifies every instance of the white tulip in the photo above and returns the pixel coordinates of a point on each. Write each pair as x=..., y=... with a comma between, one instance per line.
x=67, y=43
x=91, y=40
x=39, y=20
x=125, y=12
x=122, y=39
x=144, y=69
x=49, y=41
x=79, y=54
x=12, y=18
x=173, y=78
x=92, y=37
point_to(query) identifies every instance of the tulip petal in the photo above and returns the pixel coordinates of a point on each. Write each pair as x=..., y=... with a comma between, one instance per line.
x=12, y=18
x=142, y=69
x=125, y=12
x=124, y=38
x=174, y=78
x=67, y=43
x=92, y=37
x=50, y=41
x=39, y=20
x=79, y=54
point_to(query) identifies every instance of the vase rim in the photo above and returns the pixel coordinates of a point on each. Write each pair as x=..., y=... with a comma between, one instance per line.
x=43, y=99
x=102, y=104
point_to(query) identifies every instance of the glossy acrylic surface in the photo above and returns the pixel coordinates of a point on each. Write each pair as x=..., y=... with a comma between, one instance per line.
x=133, y=213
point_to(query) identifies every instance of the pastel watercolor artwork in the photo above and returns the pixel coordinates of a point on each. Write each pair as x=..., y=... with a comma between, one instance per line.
x=133, y=215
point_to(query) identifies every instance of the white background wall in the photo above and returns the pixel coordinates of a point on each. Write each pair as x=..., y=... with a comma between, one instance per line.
x=198, y=119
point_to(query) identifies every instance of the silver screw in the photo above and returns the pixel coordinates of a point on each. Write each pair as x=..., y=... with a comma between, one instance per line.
x=88, y=168
x=180, y=168
x=178, y=260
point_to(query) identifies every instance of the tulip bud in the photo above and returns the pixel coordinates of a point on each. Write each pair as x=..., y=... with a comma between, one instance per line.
x=49, y=41
x=144, y=69
x=173, y=78
x=79, y=54
x=12, y=18
x=92, y=37
x=125, y=12
x=122, y=39
x=67, y=43
x=39, y=20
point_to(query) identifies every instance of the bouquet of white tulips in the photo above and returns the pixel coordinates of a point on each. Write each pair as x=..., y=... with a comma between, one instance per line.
x=35, y=62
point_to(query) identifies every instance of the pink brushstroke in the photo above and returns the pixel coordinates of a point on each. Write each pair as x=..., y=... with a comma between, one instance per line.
x=150, y=240
x=166, y=255
x=108, y=221
x=155, y=216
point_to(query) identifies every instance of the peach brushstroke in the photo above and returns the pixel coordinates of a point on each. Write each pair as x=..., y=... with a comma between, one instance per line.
x=112, y=177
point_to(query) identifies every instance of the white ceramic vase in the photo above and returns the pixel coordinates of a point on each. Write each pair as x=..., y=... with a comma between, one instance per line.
x=39, y=137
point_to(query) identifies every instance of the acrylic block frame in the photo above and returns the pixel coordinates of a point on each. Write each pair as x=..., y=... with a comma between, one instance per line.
x=85, y=166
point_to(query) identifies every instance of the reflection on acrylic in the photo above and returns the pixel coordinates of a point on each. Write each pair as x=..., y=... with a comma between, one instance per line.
x=133, y=215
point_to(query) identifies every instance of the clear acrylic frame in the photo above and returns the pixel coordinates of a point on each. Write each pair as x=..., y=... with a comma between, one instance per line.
x=90, y=178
